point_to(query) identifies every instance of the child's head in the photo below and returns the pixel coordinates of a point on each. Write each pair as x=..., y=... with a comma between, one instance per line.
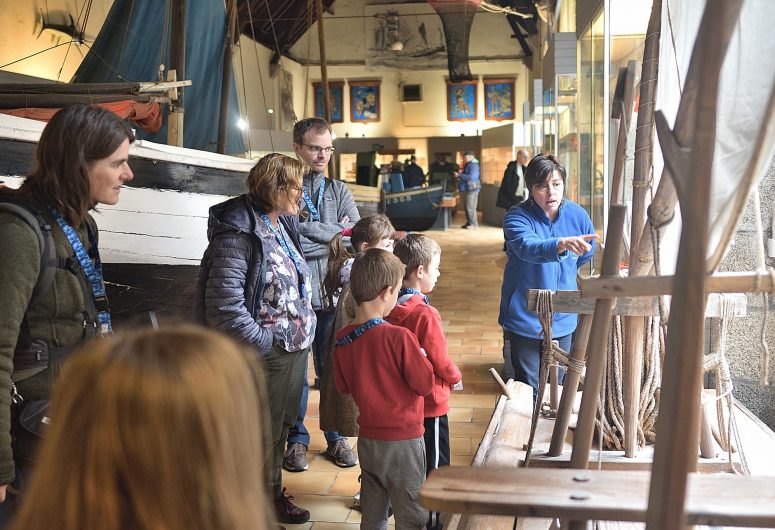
x=374, y=231
x=421, y=255
x=376, y=273
x=153, y=429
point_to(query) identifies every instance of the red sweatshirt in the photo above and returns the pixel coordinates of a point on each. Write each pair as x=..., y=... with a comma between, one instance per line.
x=387, y=374
x=425, y=322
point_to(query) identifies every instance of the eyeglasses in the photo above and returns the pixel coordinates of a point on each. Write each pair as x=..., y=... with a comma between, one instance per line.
x=320, y=150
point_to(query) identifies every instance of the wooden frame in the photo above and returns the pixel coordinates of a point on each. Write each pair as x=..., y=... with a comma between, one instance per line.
x=336, y=90
x=499, y=99
x=364, y=101
x=462, y=100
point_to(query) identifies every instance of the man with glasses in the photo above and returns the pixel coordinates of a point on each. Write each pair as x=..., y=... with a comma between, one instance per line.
x=327, y=208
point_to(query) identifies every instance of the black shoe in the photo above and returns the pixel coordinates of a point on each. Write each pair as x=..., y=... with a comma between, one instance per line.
x=465, y=225
x=287, y=512
x=295, y=458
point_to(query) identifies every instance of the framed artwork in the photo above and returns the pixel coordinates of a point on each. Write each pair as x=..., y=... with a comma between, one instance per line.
x=364, y=101
x=499, y=99
x=336, y=95
x=461, y=100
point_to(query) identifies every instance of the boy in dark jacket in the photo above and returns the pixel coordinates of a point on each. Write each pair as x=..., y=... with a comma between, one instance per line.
x=421, y=255
x=386, y=372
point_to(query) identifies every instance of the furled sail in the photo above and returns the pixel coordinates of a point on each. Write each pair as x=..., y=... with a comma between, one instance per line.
x=135, y=40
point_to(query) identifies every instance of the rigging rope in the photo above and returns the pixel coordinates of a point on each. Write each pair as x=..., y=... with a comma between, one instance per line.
x=260, y=78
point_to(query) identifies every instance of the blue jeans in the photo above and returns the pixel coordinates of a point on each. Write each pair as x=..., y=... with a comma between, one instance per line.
x=526, y=358
x=298, y=434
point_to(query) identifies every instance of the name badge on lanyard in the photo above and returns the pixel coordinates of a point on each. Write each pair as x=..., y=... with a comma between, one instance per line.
x=314, y=210
x=360, y=330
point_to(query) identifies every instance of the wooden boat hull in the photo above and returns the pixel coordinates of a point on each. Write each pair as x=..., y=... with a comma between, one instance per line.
x=414, y=209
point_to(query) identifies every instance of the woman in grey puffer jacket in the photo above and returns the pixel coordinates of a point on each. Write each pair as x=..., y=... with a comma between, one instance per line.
x=255, y=286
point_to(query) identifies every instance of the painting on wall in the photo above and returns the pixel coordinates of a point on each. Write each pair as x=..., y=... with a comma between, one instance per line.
x=336, y=98
x=499, y=99
x=364, y=101
x=461, y=100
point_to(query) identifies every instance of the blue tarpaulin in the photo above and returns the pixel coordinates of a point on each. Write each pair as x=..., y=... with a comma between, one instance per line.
x=135, y=40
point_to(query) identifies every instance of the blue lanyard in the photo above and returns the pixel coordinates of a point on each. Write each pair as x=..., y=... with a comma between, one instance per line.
x=93, y=271
x=312, y=209
x=410, y=290
x=360, y=330
x=295, y=258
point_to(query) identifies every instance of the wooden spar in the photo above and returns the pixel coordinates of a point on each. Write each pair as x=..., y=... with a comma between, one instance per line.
x=177, y=70
x=678, y=423
x=632, y=362
x=598, y=342
x=622, y=109
x=721, y=282
x=324, y=79
x=88, y=88
x=223, y=116
x=14, y=101
x=570, y=386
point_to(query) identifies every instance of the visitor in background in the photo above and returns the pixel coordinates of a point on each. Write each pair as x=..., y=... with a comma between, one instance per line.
x=414, y=175
x=469, y=185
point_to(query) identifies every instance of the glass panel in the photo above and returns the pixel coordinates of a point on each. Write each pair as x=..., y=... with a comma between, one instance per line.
x=591, y=137
x=567, y=148
x=493, y=163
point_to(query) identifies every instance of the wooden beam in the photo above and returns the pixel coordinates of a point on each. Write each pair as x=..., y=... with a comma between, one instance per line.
x=678, y=423
x=717, y=500
x=721, y=282
x=598, y=344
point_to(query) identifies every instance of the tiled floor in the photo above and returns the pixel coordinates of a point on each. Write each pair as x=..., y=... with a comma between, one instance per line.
x=467, y=295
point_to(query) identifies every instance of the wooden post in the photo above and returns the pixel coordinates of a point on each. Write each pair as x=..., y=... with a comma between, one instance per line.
x=570, y=386
x=675, y=453
x=324, y=79
x=178, y=64
x=622, y=109
x=598, y=344
x=632, y=360
x=223, y=117
x=597, y=350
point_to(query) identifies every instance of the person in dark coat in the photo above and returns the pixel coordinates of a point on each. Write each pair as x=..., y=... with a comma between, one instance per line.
x=512, y=190
x=255, y=285
x=414, y=176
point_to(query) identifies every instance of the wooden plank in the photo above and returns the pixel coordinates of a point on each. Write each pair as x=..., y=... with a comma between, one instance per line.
x=596, y=495
x=582, y=303
x=617, y=461
x=720, y=282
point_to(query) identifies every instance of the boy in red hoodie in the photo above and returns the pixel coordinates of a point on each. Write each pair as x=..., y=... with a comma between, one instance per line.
x=384, y=369
x=422, y=255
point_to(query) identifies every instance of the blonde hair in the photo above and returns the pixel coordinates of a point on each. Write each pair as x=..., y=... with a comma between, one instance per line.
x=374, y=270
x=370, y=230
x=153, y=430
x=273, y=178
x=415, y=250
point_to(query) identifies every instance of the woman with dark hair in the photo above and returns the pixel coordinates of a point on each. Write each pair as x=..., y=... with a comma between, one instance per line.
x=548, y=238
x=81, y=161
x=153, y=429
x=254, y=284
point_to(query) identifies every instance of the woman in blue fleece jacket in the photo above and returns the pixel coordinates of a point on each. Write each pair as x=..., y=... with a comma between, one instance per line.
x=548, y=238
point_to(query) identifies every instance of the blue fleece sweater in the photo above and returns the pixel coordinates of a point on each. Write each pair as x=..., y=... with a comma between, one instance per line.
x=533, y=263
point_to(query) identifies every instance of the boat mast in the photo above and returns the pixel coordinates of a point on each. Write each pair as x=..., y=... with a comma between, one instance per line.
x=177, y=71
x=223, y=117
x=324, y=77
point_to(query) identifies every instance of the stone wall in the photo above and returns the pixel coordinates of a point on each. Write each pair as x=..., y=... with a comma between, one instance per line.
x=744, y=349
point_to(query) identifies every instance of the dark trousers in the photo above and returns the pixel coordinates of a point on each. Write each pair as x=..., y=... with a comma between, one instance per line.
x=12, y=503
x=298, y=433
x=284, y=375
x=526, y=358
x=437, y=454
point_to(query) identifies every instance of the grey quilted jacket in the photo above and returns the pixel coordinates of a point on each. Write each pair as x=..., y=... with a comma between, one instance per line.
x=230, y=285
x=316, y=235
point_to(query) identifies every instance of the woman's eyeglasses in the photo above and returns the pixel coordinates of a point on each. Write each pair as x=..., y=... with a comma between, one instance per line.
x=320, y=150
